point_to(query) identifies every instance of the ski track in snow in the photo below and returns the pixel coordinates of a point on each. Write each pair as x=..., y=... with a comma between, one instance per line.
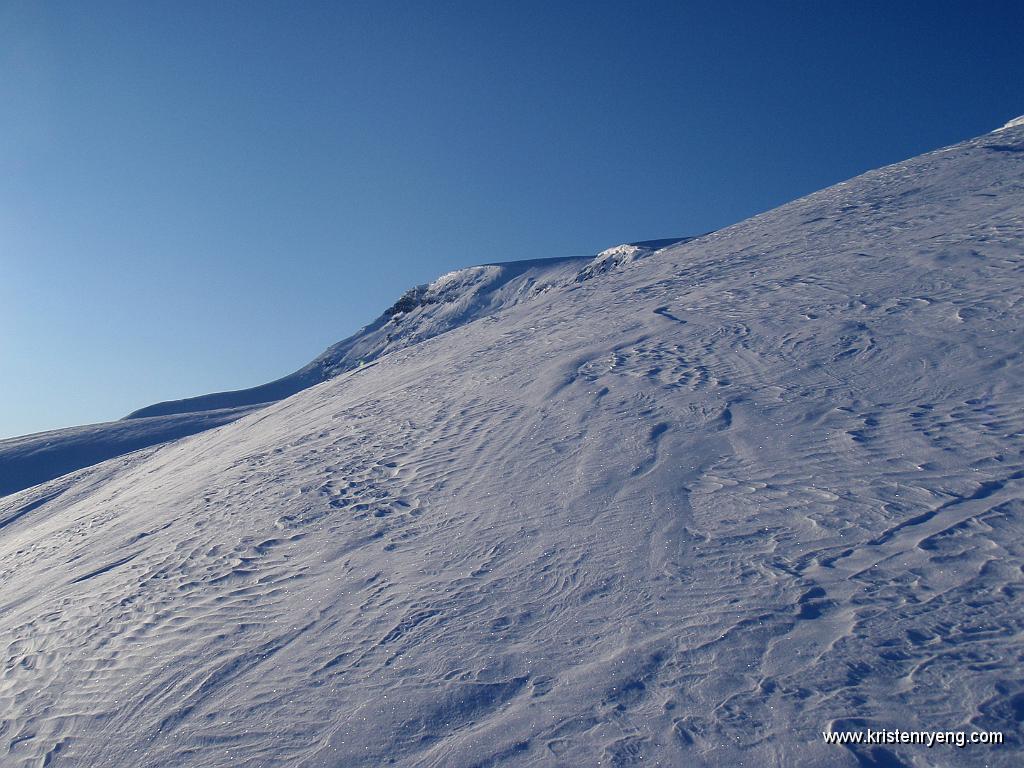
x=693, y=510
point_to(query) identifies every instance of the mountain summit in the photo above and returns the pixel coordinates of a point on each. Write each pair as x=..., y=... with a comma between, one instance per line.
x=683, y=505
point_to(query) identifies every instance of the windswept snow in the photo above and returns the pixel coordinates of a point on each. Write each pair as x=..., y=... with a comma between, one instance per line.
x=691, y=511
x=33, y=459
x=454, y=299
x=610, y=259
x=421, y=313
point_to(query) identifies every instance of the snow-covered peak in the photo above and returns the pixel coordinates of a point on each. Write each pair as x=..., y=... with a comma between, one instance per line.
x=452, y=300
x=422, y=312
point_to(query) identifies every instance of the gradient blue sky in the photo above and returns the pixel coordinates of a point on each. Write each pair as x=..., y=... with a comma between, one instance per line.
x=202, y=196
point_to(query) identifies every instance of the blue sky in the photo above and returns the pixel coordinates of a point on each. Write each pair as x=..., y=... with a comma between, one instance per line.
x=202, y=196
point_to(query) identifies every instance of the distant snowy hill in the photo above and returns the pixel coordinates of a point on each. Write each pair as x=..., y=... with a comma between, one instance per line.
x=681, y=506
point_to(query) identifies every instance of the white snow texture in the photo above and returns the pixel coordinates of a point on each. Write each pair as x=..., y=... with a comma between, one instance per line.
x=683, y=506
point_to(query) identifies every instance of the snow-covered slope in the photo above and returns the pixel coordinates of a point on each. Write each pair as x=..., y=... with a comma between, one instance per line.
x=33, y=459
x=691, y=511
x=423, y=312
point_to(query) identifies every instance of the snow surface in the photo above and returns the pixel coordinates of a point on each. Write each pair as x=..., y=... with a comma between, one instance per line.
x=421, y=313
x=33, y=459
x=689, y=512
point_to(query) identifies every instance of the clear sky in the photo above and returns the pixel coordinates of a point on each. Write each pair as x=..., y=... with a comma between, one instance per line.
x=197, y=196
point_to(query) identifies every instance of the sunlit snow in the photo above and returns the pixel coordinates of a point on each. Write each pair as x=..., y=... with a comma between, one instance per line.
x=690, y=511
